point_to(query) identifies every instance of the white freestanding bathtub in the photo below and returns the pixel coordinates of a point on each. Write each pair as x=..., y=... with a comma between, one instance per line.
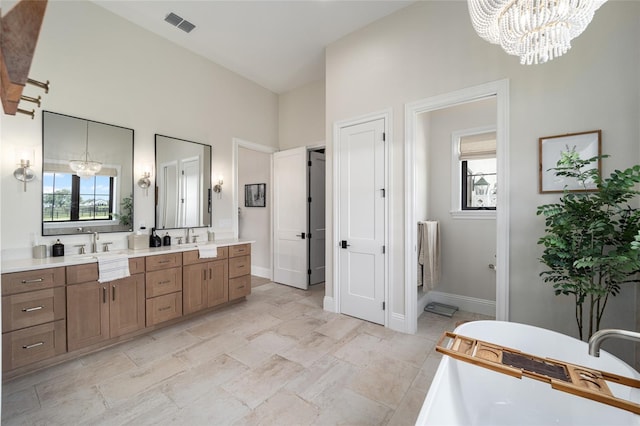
x=464, y=394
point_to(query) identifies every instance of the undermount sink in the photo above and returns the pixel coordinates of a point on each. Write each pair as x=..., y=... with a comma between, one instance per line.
x=95, y=256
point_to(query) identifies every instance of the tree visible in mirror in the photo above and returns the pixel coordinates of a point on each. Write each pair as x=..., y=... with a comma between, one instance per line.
x=126, y=209
x=592, y=239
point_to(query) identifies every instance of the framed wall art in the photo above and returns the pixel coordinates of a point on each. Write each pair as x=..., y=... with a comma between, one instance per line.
x=550, y=148
x=255, y=195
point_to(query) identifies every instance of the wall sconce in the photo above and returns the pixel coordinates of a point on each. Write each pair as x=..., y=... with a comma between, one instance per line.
x=24, y=173
x=145, y=182
x=218, y=187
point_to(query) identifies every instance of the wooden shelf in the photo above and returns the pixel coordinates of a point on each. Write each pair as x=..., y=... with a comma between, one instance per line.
x=20, y=28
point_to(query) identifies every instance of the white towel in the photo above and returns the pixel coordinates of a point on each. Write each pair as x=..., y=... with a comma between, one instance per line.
x=113, y=267
x=209, y=250
x=428, y=255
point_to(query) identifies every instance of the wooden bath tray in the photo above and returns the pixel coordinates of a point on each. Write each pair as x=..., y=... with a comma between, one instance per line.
x=574, y=379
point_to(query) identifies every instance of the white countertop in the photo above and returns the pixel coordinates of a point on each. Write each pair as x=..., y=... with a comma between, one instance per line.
x=19, y=265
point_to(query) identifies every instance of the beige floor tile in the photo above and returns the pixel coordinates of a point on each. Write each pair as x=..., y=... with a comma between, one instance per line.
x=132, y=383
x=69, y=409
x=309, y=349
x=386, y=383
x=217, y=407
x=318, y=383
x=145, y=354
x=211, y=349
x=192, y=384
x=137, y=411
x=50, y=390
x=349, y=408
x=339, y=327
x=255, y=386
x=408, y=410
x=218, y=323
x=283, y=408
x=19, y=403
x=250, y=325
x=409, y=348
x=363, y=350
x=299, y=327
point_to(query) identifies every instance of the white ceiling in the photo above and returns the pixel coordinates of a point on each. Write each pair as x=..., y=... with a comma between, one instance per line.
x=277, y=44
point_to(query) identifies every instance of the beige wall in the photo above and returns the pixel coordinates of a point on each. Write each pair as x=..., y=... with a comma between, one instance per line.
x=430, y=48
x=104, y=68
x=301, y=116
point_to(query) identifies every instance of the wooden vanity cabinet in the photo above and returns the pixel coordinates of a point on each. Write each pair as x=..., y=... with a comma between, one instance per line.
x=205, y=281
x=163, y=288
x=100, y=311
x=33, y=316
x=239, y=271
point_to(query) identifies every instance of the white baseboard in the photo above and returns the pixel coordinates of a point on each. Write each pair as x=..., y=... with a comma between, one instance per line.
x=423, y=300
x=259, y=271
x=329, y=304
x=464, y=303
x=397, y=322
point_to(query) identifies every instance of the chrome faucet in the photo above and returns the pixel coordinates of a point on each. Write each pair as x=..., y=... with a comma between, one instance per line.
x=596, y=340
x=94, y=242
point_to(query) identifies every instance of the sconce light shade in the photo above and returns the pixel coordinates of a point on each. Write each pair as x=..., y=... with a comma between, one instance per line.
x=217, y=188
x=24, y=173
x=144, y=182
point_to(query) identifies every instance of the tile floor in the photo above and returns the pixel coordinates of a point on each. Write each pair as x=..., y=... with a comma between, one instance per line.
x=276, y=359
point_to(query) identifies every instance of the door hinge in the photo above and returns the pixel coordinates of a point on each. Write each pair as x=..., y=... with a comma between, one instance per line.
x=182, y=172
x=308, y=236
x=384, y=193
x=309, y=199
x=384, y=249
x=308, y=271
x=384, y=306
x=384, y=137
x=309, y=163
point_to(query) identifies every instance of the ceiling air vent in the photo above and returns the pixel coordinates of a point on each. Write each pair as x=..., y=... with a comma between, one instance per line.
x=177, y=21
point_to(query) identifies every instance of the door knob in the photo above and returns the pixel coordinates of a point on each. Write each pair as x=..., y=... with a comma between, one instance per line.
x=344, y=244
x=301, y=235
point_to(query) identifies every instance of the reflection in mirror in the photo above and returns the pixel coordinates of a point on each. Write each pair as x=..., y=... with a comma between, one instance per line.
x=100, y=202
x=183, y=180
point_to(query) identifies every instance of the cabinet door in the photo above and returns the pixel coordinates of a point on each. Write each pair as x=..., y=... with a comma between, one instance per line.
x=126, y=311
x=87, y=314
x=194, y=287
x=217, y=285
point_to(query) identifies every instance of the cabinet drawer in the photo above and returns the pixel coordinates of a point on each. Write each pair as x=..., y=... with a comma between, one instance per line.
x=239, y=250
x=33, y=308
x=164, y=308
x=163, y=282
x=163, y=261
x=239, y=287
x=136, y=265
x=82, y=273
x=38, y=279
x=33, y=344
x=192, y=256
x=239, y=266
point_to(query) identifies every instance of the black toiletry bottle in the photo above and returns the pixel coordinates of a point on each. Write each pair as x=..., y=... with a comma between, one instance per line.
x=154, y=240
x=166, y=241
x=57, y=249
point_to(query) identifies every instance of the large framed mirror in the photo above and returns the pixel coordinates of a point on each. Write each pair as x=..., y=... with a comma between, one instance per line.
x=183, y=183
x=87, y=176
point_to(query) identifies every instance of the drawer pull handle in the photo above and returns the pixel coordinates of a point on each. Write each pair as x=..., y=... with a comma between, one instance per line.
x=241, y=266
x=164, y=261
x=240, y=286
x=34, y=345
x=35, y=280
x=104, y=295
x=164, y=282
x=35, y=308
x=164, y=309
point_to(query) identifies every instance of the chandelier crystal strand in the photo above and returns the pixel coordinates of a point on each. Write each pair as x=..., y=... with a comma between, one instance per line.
x=535, y=30
x=87, y=167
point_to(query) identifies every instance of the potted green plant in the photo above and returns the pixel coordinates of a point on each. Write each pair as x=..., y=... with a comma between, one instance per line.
x=126, y=207
x=592, y=238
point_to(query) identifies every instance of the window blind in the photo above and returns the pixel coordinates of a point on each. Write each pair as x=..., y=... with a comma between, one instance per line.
x=478, y=146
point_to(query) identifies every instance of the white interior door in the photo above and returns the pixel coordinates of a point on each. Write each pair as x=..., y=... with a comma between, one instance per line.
x=361, y=179
x=290, y=217
x=316, y=217
x=168, y=195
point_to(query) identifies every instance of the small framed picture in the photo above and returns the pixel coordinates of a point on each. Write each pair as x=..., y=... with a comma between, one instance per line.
x=550, y=148
x=255, y=195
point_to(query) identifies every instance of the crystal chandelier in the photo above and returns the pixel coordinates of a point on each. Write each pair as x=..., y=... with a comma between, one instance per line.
x=535, y=30
x=85, y=168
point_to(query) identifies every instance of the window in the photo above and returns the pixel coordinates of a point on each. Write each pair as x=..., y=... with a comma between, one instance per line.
x=66, y=197
x=475, y=182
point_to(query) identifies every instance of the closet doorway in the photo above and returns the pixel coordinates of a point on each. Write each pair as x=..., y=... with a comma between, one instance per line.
x=299, y=217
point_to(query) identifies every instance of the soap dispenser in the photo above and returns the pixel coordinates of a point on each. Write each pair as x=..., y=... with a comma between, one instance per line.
x=154, y=240
x=57, y=249
x=166, y=241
